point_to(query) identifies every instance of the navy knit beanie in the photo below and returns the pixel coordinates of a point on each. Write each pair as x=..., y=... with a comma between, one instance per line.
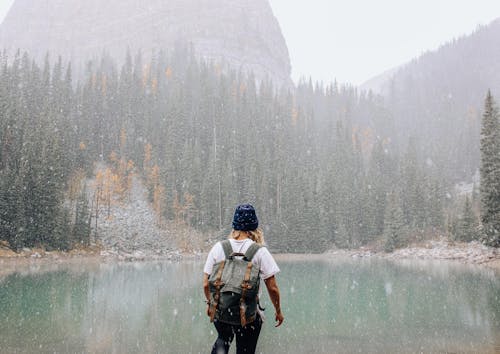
x=245, y=218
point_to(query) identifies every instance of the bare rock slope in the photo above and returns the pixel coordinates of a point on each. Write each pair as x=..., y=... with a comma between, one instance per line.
x=243, y=33
x=131, y=228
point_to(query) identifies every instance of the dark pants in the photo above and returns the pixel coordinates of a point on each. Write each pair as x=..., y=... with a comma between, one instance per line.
x=246, y=337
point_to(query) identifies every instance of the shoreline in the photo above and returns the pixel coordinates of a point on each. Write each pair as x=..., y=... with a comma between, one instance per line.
x=472, y=253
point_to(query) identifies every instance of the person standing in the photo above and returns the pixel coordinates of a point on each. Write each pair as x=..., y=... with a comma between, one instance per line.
x=245, y=240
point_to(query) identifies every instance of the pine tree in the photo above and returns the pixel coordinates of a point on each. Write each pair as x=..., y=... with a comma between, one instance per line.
x=490, y=173
x=377, y=189
x=434, y=216
x=395, y=229
x=466, y=226
x=342, y=239
x=82, y=228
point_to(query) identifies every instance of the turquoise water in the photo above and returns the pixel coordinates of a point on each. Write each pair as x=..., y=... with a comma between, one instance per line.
x=330, y=306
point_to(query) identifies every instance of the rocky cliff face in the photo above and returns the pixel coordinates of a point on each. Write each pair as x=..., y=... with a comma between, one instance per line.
x=242, y=33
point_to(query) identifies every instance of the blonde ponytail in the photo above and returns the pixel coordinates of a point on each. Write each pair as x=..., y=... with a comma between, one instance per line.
x=255, y=235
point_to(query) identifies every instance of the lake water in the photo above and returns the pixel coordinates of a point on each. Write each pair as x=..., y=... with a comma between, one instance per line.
x=334, y=306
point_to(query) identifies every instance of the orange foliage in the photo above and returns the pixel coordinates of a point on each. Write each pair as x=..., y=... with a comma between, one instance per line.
x=234, y=90
x=123, y=139
x=168, y=73
x=154, y=85
x=112, y=185
x=295, y=116
x=158, y=201
x=75, y=184
x=154, y=176
x=104, y=84
x=145, y=75
x=113, y=157
x=243, y=88
x=148, y=152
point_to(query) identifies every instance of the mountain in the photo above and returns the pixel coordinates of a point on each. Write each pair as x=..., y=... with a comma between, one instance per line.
x=242, y=33
x=438, y=98
x=378, y=83
x=468, y=60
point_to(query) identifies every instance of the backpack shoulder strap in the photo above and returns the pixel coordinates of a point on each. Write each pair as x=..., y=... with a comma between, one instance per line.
x=251, y=251
x=228, y=249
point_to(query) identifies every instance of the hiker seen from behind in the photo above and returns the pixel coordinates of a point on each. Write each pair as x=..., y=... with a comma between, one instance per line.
x=231, y=281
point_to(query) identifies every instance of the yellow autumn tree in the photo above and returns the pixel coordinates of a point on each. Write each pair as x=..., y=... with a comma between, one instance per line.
x=118, y=186
x=104, y=84
x=168, y=73
x=148, y=152
x=146, y=71
x=154, y=176
x=75, y=184
x=154, y=85
x=123, y=142
x=113, y=157
x=295, y=116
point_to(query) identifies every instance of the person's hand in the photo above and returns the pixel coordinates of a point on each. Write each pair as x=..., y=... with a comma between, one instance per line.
x=279, y=318
x=208, y=307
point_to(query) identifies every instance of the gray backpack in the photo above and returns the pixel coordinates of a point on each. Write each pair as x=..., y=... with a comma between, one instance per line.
x=234, y=287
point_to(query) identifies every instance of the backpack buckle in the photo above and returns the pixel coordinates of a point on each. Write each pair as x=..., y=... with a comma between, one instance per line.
x=246, y=285
x=236, y=254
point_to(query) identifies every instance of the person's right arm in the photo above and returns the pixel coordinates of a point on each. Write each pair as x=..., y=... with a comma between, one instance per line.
x=207, y=270
x=274, y=294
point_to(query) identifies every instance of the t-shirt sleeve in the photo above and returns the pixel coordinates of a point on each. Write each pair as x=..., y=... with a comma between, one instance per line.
x=268, y=266
x=211, y=259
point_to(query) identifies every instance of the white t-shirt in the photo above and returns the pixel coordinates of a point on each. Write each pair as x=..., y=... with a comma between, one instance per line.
x=262, y=258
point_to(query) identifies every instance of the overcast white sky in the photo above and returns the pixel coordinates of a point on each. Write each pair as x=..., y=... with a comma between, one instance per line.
x=354, y=40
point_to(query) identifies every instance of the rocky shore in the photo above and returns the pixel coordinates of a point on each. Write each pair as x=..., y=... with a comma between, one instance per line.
x=473, y=253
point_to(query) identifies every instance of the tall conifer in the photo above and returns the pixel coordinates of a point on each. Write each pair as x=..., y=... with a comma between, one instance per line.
x=490, y=172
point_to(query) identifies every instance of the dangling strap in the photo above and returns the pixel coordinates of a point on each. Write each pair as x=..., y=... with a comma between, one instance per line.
x=228, y=249
x=245, y=286
x=218, y=285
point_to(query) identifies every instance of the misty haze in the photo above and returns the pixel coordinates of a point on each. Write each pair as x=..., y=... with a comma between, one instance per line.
x=130, y=131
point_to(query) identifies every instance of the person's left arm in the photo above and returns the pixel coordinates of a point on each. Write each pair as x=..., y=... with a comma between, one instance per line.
x=269, y=269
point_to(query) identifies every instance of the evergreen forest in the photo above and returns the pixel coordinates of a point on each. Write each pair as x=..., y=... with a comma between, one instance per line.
x=322, y=164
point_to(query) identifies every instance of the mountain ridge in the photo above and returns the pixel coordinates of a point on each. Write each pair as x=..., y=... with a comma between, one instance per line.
x=438, y=98
x=242, y=33
x=381, y=82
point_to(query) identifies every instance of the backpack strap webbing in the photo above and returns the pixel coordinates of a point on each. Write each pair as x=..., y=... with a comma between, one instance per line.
x=218, y=285
x=245, y=285
x=251, y=251
x=228, y=249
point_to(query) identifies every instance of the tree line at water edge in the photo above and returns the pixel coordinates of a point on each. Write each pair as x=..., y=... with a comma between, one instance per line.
x=316, y=161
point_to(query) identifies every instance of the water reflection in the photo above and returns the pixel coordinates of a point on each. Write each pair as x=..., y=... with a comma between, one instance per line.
x=334, y=306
